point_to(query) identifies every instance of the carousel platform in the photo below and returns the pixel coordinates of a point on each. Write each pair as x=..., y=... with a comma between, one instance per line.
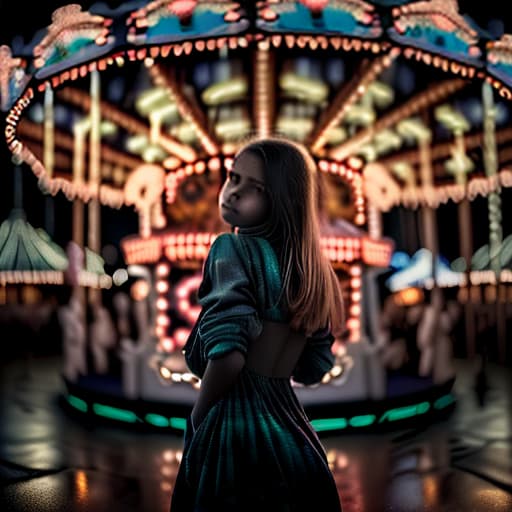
x=407, y=401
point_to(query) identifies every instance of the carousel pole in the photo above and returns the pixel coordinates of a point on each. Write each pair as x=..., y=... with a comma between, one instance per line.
x=428, y=213
x=80, y=131
x=263, y=89
x=494, y=202
x=466, y=250
x=49, y=155
x=94, y=211
x=18, y=208
x=18, y=188
x=416, y=129
x=429, y=222
x=408, y=216
x=459, y=165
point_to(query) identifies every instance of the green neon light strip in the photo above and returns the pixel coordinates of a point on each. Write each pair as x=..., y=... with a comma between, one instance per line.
x=362, y=421
x=321, y=425
x=77, y=403
x=157, y=420
x=444, y=401
x=114, y=413
x=408, y=411
x=178, y=423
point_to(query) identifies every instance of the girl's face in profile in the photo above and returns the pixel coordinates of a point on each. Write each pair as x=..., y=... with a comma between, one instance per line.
x=243, y=200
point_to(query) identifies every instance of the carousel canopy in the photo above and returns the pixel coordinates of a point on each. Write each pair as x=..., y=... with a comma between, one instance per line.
x=28, y=255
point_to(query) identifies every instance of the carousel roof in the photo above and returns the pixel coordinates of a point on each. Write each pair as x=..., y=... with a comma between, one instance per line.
x=29, y=255
x=24, y=248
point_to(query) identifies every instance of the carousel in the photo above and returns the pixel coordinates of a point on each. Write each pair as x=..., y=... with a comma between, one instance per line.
x=403, y=107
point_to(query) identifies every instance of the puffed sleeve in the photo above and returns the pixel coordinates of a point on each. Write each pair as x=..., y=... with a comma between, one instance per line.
x=230, y=317
x=316, y=358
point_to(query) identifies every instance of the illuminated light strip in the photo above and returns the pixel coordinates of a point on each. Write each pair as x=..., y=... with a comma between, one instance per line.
x=321, y=425
x=31, y=277
x=13, y=118
x=142, y=250
x=77, y=403
x=264, y=100
x=108, y=196
x=434, y=196
x=362, y=421
x=351, y=174
x=169, y=377
x=420, y=101
x=355, y=310
x=437, y=61
x=162, y=320
x=178, y=423
x=348, y=96
x=187, y=286
x=115, y=413
x=189, y=112
x=377, y=253
x=407, y=411
x=478, y=277
x=157, y=420
x=444, y=401
x=161, y=421
x=174, y=178
x=195, y=246
x=85, y=278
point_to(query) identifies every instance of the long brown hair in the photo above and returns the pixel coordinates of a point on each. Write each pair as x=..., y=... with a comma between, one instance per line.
x=310, y=286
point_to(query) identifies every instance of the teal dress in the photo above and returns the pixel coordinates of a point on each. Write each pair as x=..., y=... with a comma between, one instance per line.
x=255, y=450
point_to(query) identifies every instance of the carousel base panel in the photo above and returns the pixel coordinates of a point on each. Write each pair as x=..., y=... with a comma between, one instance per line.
x=409, y=401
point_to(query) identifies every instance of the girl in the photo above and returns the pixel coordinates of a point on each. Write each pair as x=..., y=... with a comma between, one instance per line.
x=270, y=304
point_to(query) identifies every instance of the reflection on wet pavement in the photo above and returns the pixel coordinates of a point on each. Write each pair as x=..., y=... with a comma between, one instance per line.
x=52, y=462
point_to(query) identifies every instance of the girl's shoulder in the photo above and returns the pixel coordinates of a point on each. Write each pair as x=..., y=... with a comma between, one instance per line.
x=254, y=258
x=226, y=245
x=238, y=243
x=254, y=253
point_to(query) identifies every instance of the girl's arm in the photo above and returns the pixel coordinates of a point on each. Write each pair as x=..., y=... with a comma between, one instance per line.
x=217, y=380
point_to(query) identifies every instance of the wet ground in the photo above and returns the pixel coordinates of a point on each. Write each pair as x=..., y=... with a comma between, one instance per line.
x=50, y=461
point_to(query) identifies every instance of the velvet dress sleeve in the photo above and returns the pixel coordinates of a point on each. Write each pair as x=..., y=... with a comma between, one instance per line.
x=230, y=314
x=316, y=358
